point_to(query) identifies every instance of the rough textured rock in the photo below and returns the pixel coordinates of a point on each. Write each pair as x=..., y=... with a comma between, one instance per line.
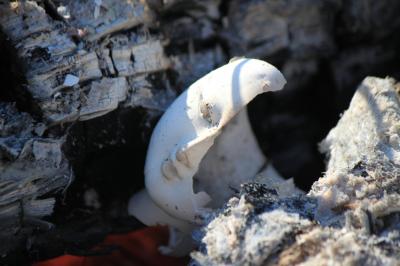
x=302, y=28
x=350, y=216
x=258, y=228
x=243, y=236
x=69, y=65
x=363, y=151
x=24, y=195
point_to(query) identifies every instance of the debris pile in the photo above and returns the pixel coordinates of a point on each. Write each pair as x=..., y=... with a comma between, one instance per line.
x=351, y=216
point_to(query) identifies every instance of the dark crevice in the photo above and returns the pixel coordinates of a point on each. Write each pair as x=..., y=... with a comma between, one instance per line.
x=13, y=80
x=107, y=155
x=110, y=47
x=290, y=124
x=103, y=66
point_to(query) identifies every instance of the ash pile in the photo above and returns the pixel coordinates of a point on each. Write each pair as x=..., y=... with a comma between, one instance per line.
x=349, y=217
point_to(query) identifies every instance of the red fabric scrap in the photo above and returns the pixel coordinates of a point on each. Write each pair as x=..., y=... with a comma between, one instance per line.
x=135, y=248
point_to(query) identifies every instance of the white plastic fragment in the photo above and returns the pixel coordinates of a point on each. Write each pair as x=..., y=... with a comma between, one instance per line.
x=151, y=214
x=63, y=11
x=203, y=145
x=70, y=80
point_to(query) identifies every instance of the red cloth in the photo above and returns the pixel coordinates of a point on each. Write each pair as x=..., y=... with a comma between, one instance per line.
x=135, y=248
